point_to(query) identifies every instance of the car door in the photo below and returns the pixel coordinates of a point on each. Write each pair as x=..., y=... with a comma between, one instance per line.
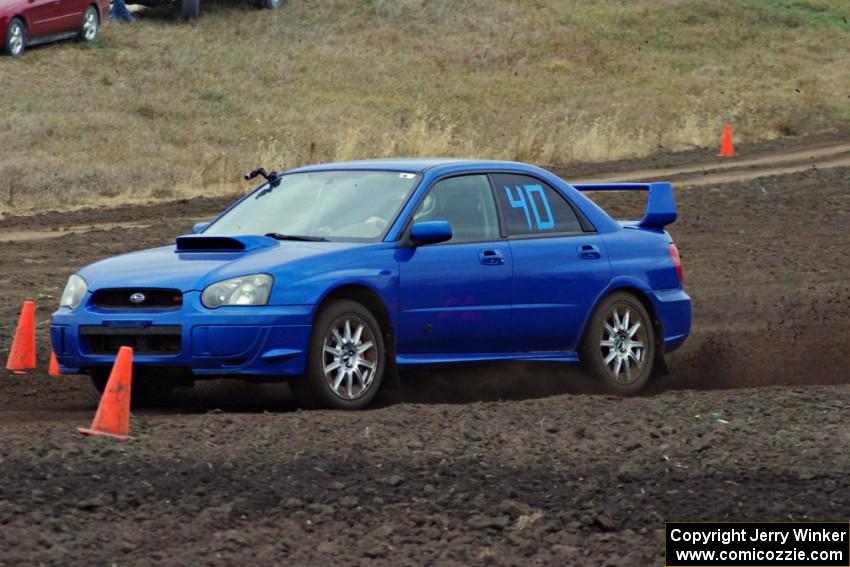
x=70, y=15
x=46, y=17
x=560, y=265
x=455, y=297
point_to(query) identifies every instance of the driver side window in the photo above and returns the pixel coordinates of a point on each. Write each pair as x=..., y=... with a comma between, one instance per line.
x=466, y=203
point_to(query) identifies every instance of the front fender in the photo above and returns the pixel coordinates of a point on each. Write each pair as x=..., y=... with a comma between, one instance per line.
x=310, y=283
x=383, y=283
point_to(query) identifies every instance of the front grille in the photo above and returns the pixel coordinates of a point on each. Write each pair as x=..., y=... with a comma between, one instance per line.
x=156, y=339
x=132, y=298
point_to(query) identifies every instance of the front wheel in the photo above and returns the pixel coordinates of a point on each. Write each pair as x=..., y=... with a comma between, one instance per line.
x=16, y=38
x=618, y=347
x=346, y=359
x=90, y=27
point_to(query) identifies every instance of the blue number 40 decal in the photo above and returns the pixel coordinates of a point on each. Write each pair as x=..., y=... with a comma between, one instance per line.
x=522, y=201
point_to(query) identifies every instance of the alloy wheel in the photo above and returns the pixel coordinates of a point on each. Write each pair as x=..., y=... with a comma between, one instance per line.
x=349, y=357
x=90, y=25
x=16, y=39
x=623, y=344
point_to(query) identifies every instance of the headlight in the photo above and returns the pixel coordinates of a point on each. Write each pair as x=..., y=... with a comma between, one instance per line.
x=75, y=291
x=245, y=290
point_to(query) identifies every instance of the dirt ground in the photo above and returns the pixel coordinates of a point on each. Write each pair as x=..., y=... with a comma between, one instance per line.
x=502, y=464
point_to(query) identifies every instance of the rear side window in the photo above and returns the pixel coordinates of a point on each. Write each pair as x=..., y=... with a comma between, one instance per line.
x=531, y=207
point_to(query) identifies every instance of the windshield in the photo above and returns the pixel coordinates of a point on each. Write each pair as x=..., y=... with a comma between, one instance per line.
x=332, y=205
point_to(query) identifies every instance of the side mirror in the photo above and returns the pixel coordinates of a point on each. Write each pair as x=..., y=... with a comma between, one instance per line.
x=430, y=232
x=199, y=227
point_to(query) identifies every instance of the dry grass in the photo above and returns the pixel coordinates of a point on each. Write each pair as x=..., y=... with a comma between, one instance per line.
x=161, y=109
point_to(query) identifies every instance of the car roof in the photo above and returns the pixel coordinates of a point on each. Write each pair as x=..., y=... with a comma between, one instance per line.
x=410, y=165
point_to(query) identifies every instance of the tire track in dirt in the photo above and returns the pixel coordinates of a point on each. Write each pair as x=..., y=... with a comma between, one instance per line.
x=728, y=170
x=30, y=235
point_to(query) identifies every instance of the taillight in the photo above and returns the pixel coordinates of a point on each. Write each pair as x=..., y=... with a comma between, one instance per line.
x=677, y=261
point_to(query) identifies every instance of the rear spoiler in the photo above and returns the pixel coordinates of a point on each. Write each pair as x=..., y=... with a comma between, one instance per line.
x=660, y=205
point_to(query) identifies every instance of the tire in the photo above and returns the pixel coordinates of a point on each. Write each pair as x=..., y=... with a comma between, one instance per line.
x=271, y=4
x=629, y=365
x=16, y=38
x=346, y=342
x=190, y=9
x=145, y=392
x=90, y=28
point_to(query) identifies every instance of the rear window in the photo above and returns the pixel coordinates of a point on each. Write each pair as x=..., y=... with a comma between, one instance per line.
x=531, y=207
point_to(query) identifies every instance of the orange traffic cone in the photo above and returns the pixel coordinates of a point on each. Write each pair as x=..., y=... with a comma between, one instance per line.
x=113, y=413
x=53, y=367
x=22, y=355
x=727, y=149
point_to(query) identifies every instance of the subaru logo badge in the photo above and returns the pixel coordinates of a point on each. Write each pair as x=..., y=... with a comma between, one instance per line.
x=137, y=298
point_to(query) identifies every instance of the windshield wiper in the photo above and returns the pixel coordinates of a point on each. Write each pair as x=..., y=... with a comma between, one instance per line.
x=300, y=238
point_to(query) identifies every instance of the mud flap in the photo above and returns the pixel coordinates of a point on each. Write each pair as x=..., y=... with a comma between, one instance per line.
x=392, y=378
x=659, y=368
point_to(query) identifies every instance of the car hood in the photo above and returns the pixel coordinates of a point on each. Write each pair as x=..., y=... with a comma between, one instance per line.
x=194, y=267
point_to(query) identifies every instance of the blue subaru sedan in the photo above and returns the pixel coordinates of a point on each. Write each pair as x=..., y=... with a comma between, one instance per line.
x=334, y=277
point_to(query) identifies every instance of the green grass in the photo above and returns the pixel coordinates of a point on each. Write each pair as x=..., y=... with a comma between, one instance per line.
x=823, y=13
x=160, y=109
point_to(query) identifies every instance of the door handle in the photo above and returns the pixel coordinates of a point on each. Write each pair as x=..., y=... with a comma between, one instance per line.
x=491, y=258
x=589, y=252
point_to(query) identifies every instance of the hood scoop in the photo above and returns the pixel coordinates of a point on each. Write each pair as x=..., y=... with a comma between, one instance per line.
x=244, y=243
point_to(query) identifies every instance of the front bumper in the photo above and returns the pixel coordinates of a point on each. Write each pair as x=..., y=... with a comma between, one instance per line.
x=248, y=341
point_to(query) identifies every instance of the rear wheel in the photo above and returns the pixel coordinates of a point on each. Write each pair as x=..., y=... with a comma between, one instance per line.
x=618, y=347
x=146, y=390
x=16, y=38
x=90, y=27
x=190, y=9
x=346, y=359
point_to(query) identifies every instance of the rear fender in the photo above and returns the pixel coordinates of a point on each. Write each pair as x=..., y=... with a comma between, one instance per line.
x=646, y=295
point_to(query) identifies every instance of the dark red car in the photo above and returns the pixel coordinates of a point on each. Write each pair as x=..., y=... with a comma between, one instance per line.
x=29, y=22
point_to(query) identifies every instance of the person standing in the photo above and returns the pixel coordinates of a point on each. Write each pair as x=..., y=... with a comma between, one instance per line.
x=119, y=11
